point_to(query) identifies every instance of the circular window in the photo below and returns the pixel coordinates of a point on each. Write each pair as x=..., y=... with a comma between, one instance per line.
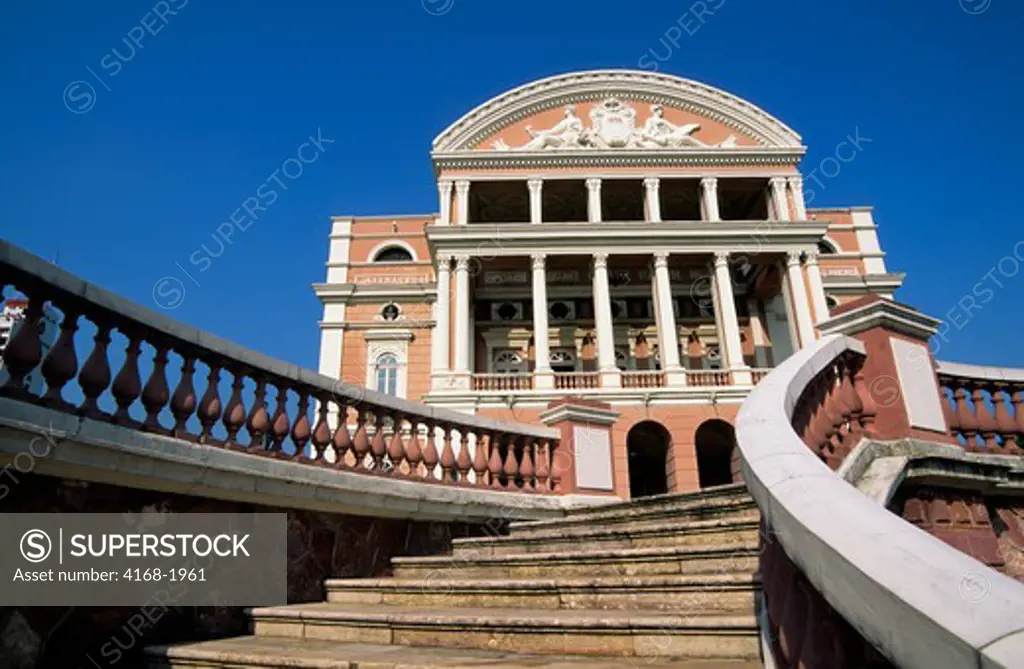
x=559, y=311
x=390, y=312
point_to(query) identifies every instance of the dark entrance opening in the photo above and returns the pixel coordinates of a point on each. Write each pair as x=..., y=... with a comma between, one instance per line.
x=648, y=445
x=717, y=458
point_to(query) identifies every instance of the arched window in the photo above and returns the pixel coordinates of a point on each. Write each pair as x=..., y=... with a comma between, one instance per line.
x=508, y=362
x=826, y=247
x=387, y=374
x=393, y=254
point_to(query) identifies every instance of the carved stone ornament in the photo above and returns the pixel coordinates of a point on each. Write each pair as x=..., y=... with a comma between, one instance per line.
x=613, y=126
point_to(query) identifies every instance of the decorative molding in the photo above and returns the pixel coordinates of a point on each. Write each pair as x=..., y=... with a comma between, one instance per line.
x=520, y=103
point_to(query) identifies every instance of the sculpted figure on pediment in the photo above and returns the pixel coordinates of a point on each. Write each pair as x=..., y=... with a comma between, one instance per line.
x=568, y=133
x=659, y=133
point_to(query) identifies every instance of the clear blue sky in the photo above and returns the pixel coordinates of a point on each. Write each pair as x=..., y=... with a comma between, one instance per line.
x=224, y=92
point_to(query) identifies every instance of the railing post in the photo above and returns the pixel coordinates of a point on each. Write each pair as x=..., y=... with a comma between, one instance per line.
x=898, y=384
x=585, y=458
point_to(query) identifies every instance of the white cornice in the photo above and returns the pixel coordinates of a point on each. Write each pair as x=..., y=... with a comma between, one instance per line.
x=525, y=160
x=866, y=283
x=519, y=103
x=640, y=237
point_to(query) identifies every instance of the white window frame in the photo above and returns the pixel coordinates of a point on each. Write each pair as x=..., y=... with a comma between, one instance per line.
x=380, y=343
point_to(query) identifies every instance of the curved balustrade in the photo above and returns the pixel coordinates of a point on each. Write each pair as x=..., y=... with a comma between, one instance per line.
x=271, y=409
x=847, y=583
x=984, y=406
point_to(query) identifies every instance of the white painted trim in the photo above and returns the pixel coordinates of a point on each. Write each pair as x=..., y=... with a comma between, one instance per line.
x=867, y=240
x=371, y=257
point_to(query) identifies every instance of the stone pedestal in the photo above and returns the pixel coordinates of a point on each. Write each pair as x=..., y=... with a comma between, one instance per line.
x=900, y=372
x=585, y=458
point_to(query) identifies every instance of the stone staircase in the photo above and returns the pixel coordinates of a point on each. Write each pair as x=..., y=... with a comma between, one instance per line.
x=661, y=582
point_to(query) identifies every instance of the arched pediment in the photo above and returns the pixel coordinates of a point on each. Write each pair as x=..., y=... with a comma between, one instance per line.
x=609, y=110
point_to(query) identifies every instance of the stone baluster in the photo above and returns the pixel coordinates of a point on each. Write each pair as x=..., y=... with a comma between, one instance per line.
x=495, y=463
x=378, y=447
x=183, y=402
x=24, y=350
x=259, y=419
x=128, y=383
x=526, y=467
x=210, y=405
x=280, y=423
x=510, y=470
x=543, y=465
x=396, y=447
x=987, y=425
x=480, y=461
x=462, y=461
x=321, y=437
x=430, y=453
x=413, y=452
x=156, y=394
x=234, y=411
x=867, y=408
x=1018, y=415
x=61, y=363
x=341, y=441
x=448, y=474
x=361, y=442
x=95, y=375
x=949, y=407
x=301, y=430
x=966, y=418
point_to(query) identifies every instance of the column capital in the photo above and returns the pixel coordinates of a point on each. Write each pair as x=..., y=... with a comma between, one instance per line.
x=593, y=184
x=600, y=261
x=652, y=183
x=793, y=258
x=812, y=257
x=709, y=182
x=778, y=181
x=661, y=260
x=445, y=185
x=462, y=185
x=535, y=184
x=461, y=263
x=444, y=261
x=721, y=258
x=538, y=260
x=796, y=181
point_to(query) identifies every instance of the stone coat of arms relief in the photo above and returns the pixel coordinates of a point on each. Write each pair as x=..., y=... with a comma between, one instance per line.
x=613, y=126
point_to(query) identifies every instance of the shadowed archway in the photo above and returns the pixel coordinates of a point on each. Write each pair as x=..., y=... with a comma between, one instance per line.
x=717, y=457
x=648, y=445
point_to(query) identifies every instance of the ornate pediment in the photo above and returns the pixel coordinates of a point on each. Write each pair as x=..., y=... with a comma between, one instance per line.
x=613, y=125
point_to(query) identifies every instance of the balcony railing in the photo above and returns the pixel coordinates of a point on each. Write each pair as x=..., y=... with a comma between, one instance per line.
x=709, y=378
x=644, y=379
x=498, y=382
x=577, y=380
x=273, y=409
x=984, y=406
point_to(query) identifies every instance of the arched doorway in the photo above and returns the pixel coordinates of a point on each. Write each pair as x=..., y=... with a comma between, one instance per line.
x=647, y=445
x=717, y=458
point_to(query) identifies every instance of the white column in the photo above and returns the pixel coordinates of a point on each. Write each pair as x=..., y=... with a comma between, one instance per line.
x=779, y=200
x=543, y=376
x=594, y=200
x=610, y=377
x=798, y=297
x=536, y=201
x=440, y=344
x=796, y=187
x=730, y=321
x=462, y=333
x=668, y=332
x=709, y=199
x=461, y=202
x=444, y=194
x=652, y=187
x=817, y=288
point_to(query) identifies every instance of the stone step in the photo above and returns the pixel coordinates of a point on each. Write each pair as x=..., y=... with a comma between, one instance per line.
x=724, y=593
x=723, y=559
x=282, y=653
x=724, y=508
x=733, y=491
x=584, y=539
x=672, y=635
